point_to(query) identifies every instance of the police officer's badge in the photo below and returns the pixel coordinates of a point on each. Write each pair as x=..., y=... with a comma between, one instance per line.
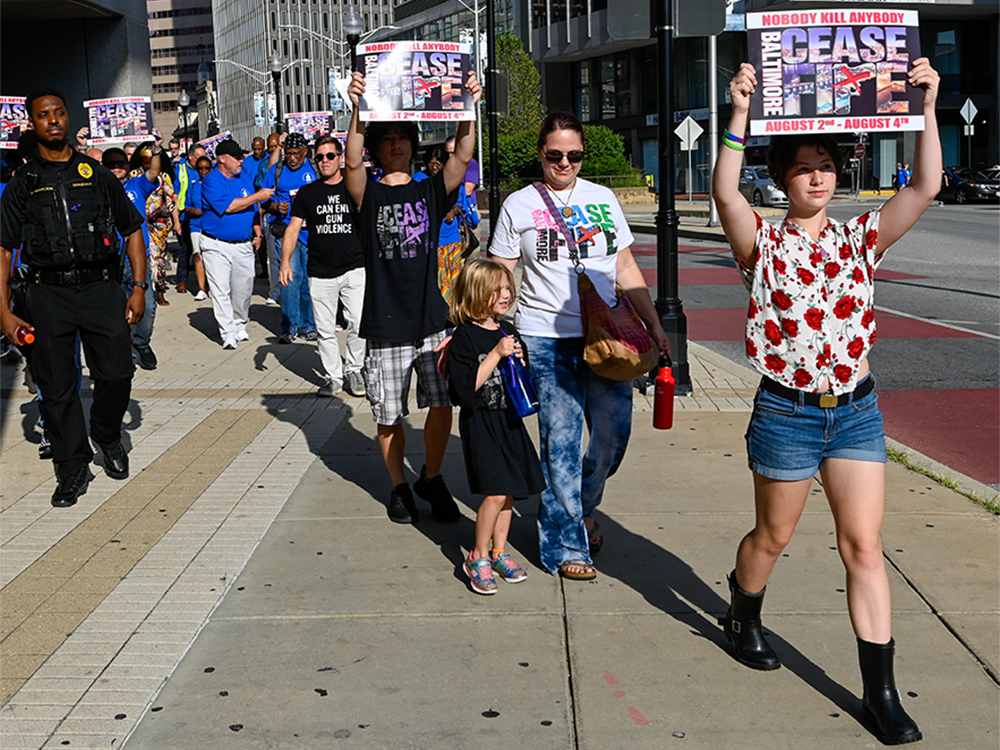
x=86, y=171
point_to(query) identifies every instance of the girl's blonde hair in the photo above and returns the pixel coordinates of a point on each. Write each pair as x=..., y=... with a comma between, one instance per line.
x=474, y=290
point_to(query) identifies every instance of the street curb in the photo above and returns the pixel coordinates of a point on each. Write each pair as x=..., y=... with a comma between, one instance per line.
x=691, y=233
x=963, y=482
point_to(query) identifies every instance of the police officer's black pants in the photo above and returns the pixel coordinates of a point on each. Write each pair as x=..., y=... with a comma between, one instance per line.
x=97, y=311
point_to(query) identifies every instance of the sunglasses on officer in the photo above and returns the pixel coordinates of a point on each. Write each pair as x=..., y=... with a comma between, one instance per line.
x=556, y=157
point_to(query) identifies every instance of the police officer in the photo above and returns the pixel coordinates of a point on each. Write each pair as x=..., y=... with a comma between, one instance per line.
x=63, y=208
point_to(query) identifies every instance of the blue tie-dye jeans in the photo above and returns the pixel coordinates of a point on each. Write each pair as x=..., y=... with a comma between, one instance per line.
x=570, y=395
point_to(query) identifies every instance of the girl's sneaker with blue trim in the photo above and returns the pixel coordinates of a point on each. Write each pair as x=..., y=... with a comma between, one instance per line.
x=481, y=575
x=507, y=569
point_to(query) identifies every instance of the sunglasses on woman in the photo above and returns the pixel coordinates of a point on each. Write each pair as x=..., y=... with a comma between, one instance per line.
x=328, y=156
x=556, y=157
x=116, y=164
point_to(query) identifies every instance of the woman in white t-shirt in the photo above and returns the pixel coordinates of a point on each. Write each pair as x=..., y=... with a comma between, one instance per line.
x=548, y=318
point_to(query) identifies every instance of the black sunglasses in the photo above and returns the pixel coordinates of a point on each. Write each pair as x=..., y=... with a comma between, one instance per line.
x=328, y=155
x=556, y=157
x=117, y=164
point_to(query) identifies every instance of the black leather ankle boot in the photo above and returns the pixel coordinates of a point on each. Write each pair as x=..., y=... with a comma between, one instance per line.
x=881, y=706
x=742, y=627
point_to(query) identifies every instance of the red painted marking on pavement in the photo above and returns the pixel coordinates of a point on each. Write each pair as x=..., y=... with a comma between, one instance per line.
x=959, y=427
x=716, y=324
x=698, y=276
x=892, y=275
x=637, y=717
x=644, y=251
x=898, y=327
x=610, y=678
x=618, y=694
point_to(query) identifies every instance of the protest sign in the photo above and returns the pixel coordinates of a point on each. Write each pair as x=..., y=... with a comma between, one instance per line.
x=13, y=120
x=310, y=124
x=211, y=143
x=835, y=71
x=416, y=81
x=122, y=120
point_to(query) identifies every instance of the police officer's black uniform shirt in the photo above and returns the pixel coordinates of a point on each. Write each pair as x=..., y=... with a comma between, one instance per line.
x=59, y=211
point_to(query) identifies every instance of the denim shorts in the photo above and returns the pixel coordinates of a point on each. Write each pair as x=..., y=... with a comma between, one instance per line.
x=788, y=441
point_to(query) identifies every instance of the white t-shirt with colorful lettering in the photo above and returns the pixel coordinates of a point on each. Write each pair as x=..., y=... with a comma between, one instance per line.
x=549, y=304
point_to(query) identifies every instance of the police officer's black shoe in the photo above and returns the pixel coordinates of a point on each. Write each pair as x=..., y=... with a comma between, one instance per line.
x=71, y=487
x=115, y=461
x=147, y=359
x=45, y=446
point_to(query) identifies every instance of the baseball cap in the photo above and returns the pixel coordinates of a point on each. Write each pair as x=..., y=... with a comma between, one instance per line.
x=296, y=140
x=229, y=147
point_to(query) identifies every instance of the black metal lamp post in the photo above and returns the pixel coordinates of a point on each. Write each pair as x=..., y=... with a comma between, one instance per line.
x=668, y=304
x=353, y=26
x=276, y=65
x=184, y=100
x=492, y=113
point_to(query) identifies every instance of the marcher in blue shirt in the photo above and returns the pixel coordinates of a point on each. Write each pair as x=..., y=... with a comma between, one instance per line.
x=138, y=189
x=186, y=174
x=286, y=177
x=194, y=213
x=230, y=230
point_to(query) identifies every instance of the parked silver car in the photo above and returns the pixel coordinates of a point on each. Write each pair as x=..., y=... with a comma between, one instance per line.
x=758, y=187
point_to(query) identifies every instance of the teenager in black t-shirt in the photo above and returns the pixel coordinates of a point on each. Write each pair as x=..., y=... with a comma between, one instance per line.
x=335, y=267
x=405, y=317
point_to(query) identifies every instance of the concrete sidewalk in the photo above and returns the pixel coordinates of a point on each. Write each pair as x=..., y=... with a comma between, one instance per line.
x=245, y=589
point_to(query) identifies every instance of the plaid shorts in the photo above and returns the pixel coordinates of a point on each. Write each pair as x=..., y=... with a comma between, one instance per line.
x=388, y=368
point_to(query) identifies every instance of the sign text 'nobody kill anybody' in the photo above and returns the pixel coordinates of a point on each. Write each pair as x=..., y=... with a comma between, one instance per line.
x=841, y=70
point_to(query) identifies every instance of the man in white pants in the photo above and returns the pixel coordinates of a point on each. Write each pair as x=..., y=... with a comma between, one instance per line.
x=334, y=266
x=230, y=232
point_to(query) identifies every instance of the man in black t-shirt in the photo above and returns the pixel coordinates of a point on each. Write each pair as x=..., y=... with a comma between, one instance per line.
x=335, y=267
x=405, y=318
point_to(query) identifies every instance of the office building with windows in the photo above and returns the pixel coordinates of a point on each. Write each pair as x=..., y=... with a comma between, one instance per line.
x=308, y=37
x=180, y=40
x=90, y=50
x=597, y=58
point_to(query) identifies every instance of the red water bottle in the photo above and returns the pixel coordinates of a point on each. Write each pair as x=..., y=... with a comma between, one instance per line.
x=24, y=335
x=663, y=398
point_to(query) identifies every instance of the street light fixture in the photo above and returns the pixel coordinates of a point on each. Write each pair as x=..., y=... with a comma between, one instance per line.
x=276, y=66
x=353, y=26
x=184, y=101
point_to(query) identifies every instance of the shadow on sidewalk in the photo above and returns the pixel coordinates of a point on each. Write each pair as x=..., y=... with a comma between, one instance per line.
x=670, y=585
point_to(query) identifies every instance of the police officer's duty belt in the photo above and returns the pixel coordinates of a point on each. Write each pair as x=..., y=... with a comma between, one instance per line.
x=73, y=277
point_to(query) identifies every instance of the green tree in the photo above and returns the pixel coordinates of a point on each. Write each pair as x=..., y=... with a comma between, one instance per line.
x=524, y=85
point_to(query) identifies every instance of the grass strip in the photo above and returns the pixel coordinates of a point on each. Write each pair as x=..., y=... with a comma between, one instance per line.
x=902, y=458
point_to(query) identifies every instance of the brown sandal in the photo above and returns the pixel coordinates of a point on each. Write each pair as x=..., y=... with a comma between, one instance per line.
x=588, y=574
x=595, y=538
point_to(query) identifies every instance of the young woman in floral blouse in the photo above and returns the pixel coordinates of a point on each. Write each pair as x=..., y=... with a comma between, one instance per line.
x=809, y=327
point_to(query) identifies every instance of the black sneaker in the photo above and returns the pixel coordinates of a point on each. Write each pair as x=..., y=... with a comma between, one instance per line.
x=71, y=487
x=435, y=492
x=45, y=446
x=402, y=508
x=115, y=460
x=147, y=359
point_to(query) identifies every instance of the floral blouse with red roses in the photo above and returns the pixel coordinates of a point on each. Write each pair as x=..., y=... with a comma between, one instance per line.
x=811, y=313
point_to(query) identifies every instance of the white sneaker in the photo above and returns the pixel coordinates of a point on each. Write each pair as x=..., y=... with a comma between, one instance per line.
x=229, y=344
x=354, y=383
x=200, y=296
x=328, y=389
x=243, y=336
x=271, y=301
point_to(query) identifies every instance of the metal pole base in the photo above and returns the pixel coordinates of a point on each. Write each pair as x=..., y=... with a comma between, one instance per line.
x=674, y=322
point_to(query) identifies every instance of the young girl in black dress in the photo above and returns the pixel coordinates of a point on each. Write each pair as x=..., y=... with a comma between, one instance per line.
x=500, y=460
